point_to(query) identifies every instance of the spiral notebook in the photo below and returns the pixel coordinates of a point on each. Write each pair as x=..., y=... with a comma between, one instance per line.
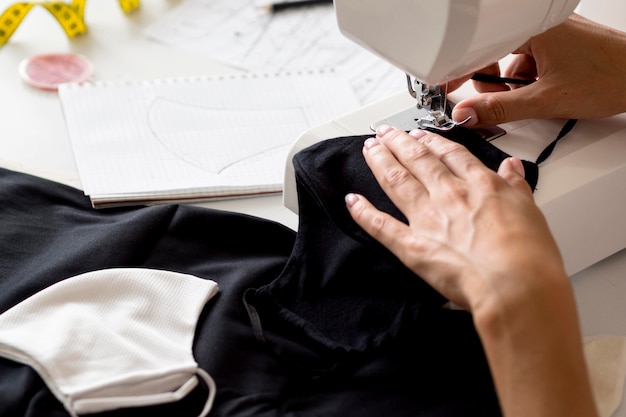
x=191, y=139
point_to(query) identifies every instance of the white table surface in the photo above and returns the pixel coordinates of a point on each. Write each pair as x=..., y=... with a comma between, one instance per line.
x=34, y=137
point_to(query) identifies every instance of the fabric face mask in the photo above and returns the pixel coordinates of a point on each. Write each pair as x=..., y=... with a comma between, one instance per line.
x=113, y=338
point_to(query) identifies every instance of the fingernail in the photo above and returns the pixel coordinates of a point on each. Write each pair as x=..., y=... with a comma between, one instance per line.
x=517, y=166
x=370, y=143
x=351, y=199
x=460, y=115
x=417, y=133
x=382, y=129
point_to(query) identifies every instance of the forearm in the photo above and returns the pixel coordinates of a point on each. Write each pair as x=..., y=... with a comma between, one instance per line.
x=534, y=348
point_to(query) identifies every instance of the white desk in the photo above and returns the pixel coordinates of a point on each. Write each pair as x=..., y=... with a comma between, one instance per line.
x=34, y=137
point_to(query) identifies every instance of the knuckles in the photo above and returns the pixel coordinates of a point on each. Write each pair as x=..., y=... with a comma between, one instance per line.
x=378, y=224
x=497, y=111
x=395, y=176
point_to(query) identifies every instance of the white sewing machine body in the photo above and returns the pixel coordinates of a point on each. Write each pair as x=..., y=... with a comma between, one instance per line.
x=438, y=40
x=582, y=185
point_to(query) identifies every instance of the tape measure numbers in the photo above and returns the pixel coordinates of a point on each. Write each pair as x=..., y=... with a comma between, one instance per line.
x=70, y=16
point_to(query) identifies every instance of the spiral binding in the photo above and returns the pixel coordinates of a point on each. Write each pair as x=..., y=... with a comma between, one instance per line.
x=71, y=16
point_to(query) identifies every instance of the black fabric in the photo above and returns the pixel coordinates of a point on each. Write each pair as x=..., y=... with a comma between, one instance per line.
x=49, y=232
x=340, y=287
x=373, y=342
x=343, y=298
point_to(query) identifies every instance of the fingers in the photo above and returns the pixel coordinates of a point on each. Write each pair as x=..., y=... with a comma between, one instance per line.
x=512, y=171
x=448, y=160
x=488, y=109
x=421, y=167
x=487, y=87
x=394, y=171
x=381, y=226
x=492, y=70
x=521, y=67
x=456, y=83
x=411, y=166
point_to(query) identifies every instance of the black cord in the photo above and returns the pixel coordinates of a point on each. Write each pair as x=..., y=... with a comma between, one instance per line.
x=486, y=78
x=569, y=125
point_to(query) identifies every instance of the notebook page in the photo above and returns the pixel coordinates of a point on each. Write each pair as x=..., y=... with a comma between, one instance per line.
x=214, y=135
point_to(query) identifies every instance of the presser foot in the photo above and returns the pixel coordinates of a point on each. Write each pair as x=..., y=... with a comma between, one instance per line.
x=414, y=118
x=444, y=124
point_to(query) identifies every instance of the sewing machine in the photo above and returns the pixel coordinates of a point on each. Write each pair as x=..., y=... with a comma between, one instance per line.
x=446, y=39
x=581, y=188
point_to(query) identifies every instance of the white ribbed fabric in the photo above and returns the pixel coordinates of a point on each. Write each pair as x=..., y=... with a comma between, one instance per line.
x=112, y=338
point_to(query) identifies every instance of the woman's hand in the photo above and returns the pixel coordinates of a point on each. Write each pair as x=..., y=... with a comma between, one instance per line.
x=479, y=239
x=470, y=230
x=580, y=72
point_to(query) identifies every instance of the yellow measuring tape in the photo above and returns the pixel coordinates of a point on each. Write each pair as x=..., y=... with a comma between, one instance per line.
x=71, y=16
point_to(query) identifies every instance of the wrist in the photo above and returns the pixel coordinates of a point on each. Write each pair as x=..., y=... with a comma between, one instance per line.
x=533, y=344
x=513, y=298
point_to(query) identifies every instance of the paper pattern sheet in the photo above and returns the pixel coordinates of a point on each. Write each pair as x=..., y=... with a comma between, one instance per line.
x=194, y=138
x=243, y=34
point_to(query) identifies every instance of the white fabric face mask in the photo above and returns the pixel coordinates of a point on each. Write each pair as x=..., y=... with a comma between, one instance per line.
x=112, y=338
